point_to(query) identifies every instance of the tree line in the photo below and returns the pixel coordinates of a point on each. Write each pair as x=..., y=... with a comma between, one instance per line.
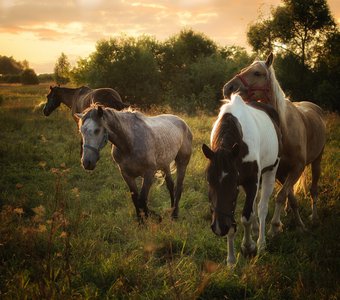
x=12, y=71
x=188, y=70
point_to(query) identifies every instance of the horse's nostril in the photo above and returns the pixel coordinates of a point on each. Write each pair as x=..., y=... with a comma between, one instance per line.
x=231, y=88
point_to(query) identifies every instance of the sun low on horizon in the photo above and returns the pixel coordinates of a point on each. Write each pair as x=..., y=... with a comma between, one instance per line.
x=39, y=31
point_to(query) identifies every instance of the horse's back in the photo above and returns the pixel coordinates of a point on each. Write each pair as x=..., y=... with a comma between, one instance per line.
x=268, y=144
x=259, y=131
x=171, y=136
x=107, y=97
x=170, y=125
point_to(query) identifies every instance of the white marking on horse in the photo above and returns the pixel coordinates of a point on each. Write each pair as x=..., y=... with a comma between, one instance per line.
x=223, y=174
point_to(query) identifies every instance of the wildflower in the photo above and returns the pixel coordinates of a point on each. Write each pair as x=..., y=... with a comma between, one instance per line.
x=18, y=211
x=39, y=210
x=19, y=186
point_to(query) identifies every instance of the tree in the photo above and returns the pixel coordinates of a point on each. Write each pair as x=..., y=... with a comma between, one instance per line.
x=9, y=66
x=28, y=76
x=62, y=70
x=126, y=64
x=300, y=27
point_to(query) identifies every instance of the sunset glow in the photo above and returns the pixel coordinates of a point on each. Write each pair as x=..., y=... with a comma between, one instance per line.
x=38, y=30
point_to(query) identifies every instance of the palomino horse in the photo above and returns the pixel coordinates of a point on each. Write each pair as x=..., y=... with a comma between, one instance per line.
x=245, y=147
x=80, y=98
x=303, y=133
x=142, y=145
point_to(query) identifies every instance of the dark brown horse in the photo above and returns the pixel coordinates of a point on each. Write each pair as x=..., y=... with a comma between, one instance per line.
x=303, y=133
x=78, y=99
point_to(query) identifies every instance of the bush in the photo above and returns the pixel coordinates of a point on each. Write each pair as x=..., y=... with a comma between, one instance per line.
x=29, y=77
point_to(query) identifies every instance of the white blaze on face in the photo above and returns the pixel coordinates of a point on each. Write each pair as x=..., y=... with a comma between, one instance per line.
x=92, y=134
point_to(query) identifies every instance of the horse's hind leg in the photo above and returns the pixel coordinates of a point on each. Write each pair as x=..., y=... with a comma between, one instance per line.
x=316, y=171
x=295, y=208
x=181, y=169
x=169, y=185
x=287, y=191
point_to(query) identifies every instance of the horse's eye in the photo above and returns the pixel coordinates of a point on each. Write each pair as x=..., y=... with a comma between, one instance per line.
x=256, y=73
x=96, y=131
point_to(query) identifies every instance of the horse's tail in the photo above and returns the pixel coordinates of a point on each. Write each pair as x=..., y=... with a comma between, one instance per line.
x=159, y=175
x=173, y=167
x=301, y=184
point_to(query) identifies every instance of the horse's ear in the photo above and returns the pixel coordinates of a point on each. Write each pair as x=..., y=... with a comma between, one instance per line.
x=209, y=154
x=100, y=112
x=78, y=116
x=235, y=150
x=269, y=59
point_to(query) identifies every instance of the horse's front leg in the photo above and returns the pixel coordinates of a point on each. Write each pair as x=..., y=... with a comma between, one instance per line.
x=248, y=246
x=268, y=182
x=143, y=197
x=231, y=259
x=170, y=185
x=131, y=182
x=287, y=191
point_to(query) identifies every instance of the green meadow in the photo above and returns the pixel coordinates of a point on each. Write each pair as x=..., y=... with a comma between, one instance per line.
x=69, y=233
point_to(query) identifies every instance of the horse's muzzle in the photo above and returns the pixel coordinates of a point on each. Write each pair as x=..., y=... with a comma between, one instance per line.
x=88, y=164
x=219, y=229
x=221, y=226
x=46, y=111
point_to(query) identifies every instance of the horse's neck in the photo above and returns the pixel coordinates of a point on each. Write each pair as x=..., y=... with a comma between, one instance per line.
x=279, y=100
x=119, y=135
x=68, y=96
x=227, y=132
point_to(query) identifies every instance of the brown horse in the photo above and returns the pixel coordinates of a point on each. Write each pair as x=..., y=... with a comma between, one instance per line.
x=303, y=133
x=78, y=99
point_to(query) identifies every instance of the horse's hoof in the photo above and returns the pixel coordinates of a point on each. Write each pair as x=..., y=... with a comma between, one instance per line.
x=249, y=250
x=231, y=261
x=315, y=220
x=275, y=229
x=261, y=248
x=255, y=230
x=156, y=216
x=301, y=228
x=174, y=218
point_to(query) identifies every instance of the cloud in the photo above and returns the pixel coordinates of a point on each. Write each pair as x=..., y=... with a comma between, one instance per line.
x=88, y=19
x=72, y=26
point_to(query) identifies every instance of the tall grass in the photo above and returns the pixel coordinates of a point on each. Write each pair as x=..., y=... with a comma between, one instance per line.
x=68, y=233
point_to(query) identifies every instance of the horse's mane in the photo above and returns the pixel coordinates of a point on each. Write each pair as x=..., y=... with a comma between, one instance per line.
x=227, y=126
x=279, y=99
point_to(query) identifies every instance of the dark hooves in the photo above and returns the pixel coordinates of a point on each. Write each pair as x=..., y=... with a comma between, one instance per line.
x=249, y=253
x=155, y=215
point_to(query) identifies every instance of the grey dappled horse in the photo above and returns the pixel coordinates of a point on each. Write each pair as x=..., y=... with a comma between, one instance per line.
x=142, y=145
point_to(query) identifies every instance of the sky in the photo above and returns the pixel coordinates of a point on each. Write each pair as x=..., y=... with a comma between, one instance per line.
x=40, y=30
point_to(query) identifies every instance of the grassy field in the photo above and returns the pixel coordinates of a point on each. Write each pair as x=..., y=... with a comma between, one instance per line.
x=67, y=233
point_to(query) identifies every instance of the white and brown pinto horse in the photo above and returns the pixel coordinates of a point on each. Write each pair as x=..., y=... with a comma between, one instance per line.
x=245, y=149
x=141, y=145
x=303, y=133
